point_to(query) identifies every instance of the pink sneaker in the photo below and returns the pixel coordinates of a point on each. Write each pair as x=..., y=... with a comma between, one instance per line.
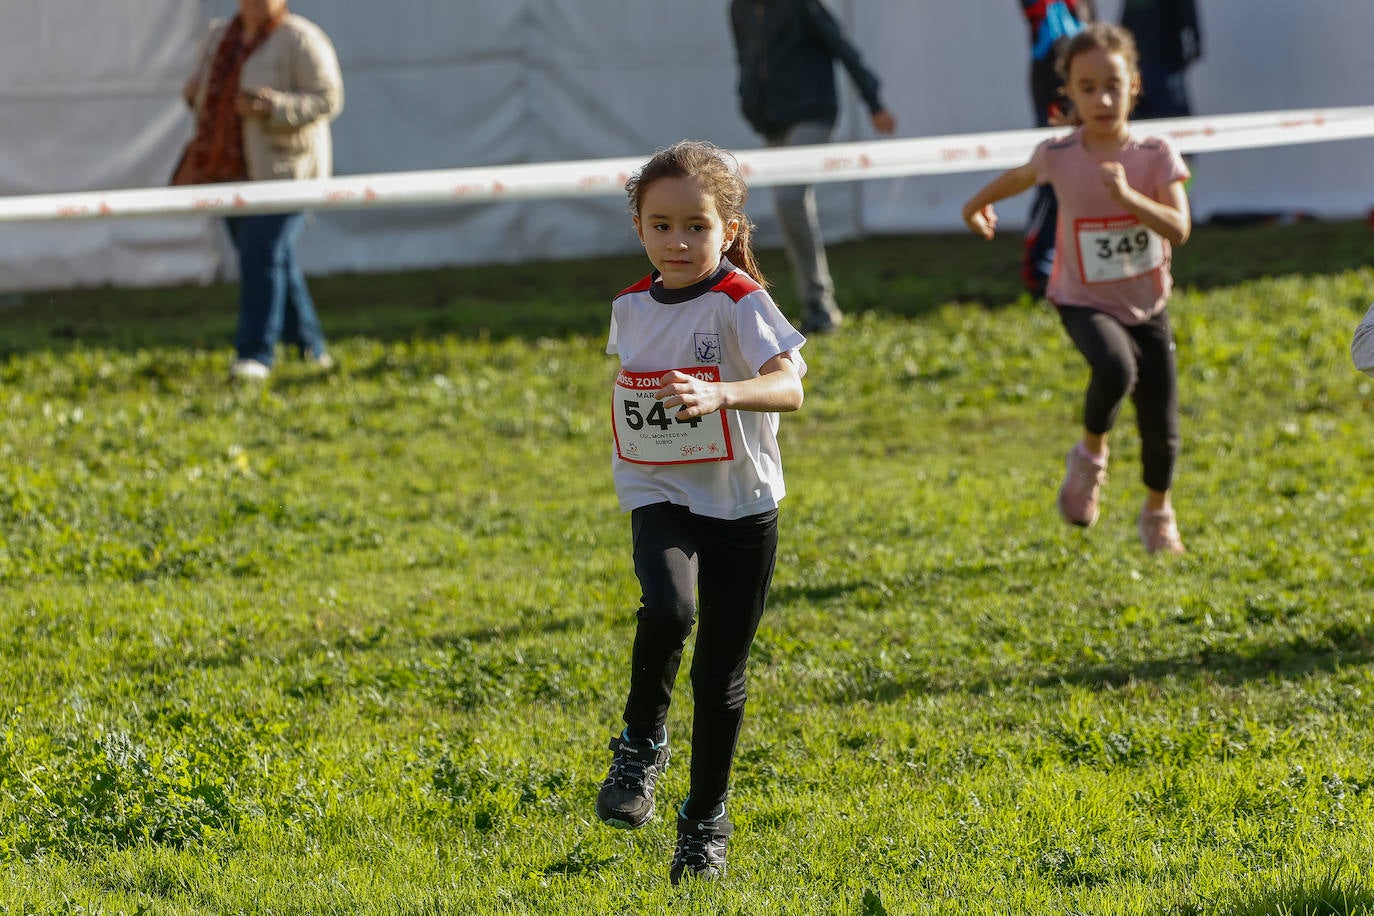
x=1159, y=532
x=1084, y=476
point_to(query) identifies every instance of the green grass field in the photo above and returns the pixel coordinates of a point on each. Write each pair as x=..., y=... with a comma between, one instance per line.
x=355, y=643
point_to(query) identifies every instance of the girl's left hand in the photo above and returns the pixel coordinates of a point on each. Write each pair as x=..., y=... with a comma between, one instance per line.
x=1114, y=178
x=692, y=396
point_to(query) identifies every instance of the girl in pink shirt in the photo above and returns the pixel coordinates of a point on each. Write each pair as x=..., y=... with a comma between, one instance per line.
x=1122, y=206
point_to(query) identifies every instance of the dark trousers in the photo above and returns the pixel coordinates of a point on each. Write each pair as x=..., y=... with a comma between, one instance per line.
x=1137, y=360
x=801, y=233
x=1164, y=92
x=1037, y=255
x=679, y=557
x=1042, y=222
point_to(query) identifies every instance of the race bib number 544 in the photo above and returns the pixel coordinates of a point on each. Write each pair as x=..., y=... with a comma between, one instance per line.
x=648, y=433
x=1117, y=249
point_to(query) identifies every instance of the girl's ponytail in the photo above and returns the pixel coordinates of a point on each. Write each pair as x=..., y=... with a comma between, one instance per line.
x=741, y=253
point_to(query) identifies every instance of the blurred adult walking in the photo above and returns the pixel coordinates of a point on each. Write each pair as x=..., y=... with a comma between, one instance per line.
x=265, y=87
x=787, y=51
x=1169, y=38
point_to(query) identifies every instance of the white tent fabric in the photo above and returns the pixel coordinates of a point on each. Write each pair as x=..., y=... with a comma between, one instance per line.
x=89, y=98
x=1259, y=55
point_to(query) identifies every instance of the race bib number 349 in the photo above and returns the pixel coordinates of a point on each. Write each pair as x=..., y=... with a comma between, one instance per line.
x=1117, y=249
x=646, y=432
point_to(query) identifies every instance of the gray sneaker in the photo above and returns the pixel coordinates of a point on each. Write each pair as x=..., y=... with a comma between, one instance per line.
x=700, y=852
x=626, y=799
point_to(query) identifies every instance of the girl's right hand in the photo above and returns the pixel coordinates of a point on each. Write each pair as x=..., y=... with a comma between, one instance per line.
x=982, y=222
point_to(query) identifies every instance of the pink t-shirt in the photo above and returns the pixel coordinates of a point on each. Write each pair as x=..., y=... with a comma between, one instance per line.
x=1104, y=257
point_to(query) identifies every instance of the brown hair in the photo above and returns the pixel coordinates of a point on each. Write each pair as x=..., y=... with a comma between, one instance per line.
x=1113, y=39
x=719, y=172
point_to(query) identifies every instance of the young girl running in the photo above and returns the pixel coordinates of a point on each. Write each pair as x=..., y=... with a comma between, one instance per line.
x=707, y=361
x=1122, y=205
x=1362, y=344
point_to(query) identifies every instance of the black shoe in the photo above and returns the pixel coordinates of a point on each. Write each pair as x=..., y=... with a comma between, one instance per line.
x=822, y=324
x=700, y=852
x=626, y=799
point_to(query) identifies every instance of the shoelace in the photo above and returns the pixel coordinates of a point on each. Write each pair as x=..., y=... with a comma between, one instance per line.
x=1086, y=471
x=1085, y=476
x=691, y=851
x=627, y=772
x=1162, y=528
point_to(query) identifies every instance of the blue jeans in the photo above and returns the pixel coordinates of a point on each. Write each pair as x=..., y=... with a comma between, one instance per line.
x=274, y=302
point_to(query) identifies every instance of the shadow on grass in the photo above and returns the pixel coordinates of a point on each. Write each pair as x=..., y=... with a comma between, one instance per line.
x=780, y=594
x=1334, y=648
x=1332, y=895
x=912, y=275
x=906, y=276
x=507, y=633
x=493, y=302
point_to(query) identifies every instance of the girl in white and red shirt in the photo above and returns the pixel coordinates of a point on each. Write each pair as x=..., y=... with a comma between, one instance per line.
x=707, y=361
x=1122, y=206
x=1362, y=344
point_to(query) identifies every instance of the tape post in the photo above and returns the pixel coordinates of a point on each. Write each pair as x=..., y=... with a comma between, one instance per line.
x=856, y=161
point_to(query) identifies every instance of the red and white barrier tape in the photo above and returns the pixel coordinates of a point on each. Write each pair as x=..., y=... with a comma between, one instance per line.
x=606, y=177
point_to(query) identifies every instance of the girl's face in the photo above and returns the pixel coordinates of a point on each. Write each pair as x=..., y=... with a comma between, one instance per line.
x=1102, y=87
x=682, y=230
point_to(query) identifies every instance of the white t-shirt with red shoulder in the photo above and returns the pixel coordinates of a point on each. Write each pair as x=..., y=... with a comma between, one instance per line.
x=727, y=464
x=1104, y=257
x=1362, y=345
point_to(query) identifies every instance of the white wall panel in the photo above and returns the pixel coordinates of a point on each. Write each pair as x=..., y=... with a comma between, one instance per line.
x=89, y=98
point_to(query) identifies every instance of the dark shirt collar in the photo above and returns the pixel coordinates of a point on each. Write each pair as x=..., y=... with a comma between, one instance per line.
x=666, y=296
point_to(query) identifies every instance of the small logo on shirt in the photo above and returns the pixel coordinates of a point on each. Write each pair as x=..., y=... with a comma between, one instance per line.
x=707, y=347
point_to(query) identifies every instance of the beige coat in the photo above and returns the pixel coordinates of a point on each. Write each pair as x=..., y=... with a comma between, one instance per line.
x=299, y=70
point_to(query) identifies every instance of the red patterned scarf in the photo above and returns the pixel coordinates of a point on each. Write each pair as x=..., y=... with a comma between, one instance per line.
x=215, y=153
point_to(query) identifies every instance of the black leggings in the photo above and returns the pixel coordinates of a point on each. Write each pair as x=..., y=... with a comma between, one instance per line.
x=1137, y=360
x=730, y=565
